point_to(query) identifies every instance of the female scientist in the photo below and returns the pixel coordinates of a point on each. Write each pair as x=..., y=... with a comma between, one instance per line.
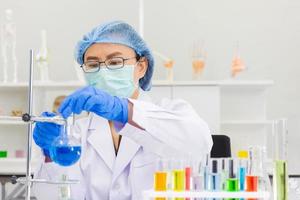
x=125, y=133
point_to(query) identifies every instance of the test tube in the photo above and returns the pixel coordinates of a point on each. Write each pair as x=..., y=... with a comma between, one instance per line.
x=215, y=176
x=65, y=189
x=160, y=178
x=178, y=177
x=255, y=169
x=188, y=172
x=232, y=183
x=280, y=156
x=224, y=172
x=206, y=173
x=243, y=167
x=197, y=182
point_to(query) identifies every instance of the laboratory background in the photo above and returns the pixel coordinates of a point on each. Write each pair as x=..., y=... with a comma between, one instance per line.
x=236, y=62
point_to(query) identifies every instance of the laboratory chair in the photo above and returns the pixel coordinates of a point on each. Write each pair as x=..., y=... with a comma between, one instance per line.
x=221, y=147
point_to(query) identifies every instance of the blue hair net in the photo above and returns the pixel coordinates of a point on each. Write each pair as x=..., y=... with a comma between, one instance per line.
x=118, y=32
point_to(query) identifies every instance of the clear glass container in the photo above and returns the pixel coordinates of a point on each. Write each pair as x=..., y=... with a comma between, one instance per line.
x=66, y=149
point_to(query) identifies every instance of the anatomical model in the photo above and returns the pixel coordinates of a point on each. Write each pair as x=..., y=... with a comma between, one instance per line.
x=8, y=45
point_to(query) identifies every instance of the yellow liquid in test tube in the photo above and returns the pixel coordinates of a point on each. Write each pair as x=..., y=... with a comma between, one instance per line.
x=178, y=181
x=160, y=183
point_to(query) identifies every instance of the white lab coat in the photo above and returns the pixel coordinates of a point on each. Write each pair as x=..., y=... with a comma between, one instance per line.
x=171, y=129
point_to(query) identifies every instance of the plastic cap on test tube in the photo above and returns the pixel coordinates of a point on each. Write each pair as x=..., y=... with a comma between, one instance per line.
x=243, y=154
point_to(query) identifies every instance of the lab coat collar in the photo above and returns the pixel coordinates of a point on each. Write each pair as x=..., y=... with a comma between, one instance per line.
x=101, y=140
x=127, y=150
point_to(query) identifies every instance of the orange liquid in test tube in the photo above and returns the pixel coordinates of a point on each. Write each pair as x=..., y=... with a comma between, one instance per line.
x=188, y=172
x=252, y=184
x=160, y=183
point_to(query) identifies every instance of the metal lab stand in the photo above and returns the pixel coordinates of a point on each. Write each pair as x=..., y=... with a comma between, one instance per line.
x=26, y=182
x=18, y=192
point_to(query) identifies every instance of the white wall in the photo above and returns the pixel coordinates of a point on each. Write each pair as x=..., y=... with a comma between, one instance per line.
x=268, y=32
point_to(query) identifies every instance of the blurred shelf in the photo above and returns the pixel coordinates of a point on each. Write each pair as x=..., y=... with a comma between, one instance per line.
x=244, y=83
x=183, y=83
x=13, y=86
x=246, y=122
x=76, y=84
x=39, y=84
x=14, y=166
x=58, y=85
x=221, y=83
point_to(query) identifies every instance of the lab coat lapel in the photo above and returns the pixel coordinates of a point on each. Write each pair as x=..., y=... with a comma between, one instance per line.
x=128, y=148
x=127, y=151
x=101, y=140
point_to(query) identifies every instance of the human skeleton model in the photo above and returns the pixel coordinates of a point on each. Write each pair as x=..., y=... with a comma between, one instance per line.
x=198, y=59
x=237, y=64
x=8, y=44
x=168, y=64
x=42, y=58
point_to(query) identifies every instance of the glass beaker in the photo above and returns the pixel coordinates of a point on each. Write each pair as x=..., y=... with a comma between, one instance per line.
x=66, y=149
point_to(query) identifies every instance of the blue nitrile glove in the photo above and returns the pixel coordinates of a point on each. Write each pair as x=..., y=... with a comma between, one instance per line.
x=97, y=101
x=45, y=133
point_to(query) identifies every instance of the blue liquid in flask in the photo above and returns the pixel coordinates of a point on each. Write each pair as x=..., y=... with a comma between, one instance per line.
x=65, y=155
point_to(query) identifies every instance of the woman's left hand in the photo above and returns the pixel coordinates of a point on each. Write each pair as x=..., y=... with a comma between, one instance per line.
x=97, y=101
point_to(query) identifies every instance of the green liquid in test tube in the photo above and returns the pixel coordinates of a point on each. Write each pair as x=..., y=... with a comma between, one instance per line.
x=178, y=177
x=280, y=160
x=232, y=183
x=224, y=173
x=280, y=179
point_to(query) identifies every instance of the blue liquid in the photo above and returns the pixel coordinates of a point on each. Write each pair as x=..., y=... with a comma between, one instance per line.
x=242, y=174
x=215, y=183
x=206, y=178
x=65, y=155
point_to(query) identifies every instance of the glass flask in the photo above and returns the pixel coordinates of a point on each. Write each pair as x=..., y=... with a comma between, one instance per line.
x=66, y=148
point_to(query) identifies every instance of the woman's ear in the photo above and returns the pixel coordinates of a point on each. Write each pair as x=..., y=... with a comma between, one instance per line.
x=142, y=67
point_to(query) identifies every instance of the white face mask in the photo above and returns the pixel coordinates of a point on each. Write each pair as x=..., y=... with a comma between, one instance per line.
x=118, y=82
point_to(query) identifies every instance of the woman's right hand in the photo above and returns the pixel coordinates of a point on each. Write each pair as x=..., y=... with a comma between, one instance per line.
x=45, y=133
